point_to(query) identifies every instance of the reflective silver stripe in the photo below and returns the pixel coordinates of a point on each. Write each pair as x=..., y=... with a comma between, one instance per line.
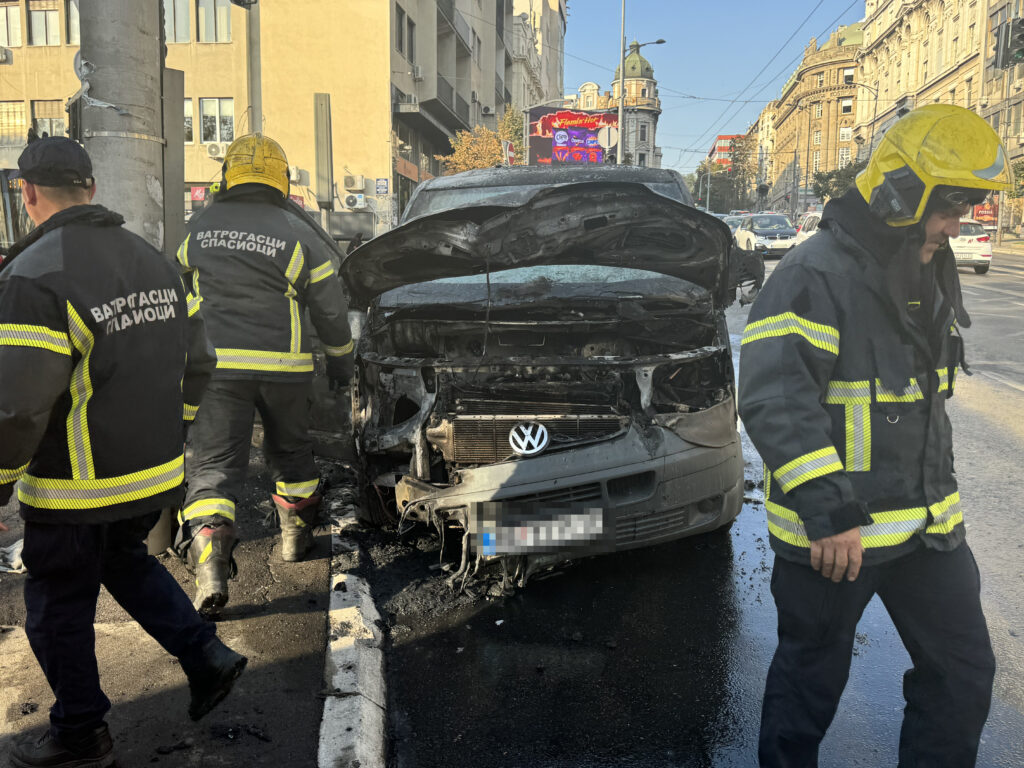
x=820, y=335
x=20, y=335
x=11, y=475
x=322, y=272
x=79, y=443
x=258, y=360
x=848, y=392
x=64, y=493
x=216, y=507
x=302, y=490
x=910, y=394
x=292, y=275
x=807, y=467
x=193, y=304
x=893, y=528
x=338, y=351
x=858, y=438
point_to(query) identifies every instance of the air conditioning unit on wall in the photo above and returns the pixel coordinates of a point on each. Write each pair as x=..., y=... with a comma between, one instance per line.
x=355, y=202
x=217, y=149
x=354, y=183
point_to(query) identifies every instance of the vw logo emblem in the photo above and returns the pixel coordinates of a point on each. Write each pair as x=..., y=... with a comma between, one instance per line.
x=528, y=438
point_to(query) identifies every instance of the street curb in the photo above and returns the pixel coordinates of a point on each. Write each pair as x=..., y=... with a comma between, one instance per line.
x=352, y=727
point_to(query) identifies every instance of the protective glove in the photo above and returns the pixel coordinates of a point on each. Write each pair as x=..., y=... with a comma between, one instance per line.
x=339, y=371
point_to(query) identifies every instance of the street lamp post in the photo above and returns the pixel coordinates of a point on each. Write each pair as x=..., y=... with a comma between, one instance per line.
x=622, y=80
x=874, y=115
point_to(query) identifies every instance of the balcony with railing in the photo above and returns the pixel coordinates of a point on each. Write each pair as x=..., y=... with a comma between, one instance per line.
x=445, y=92
x=462, y=109
x=463, y=32
x=447, y=9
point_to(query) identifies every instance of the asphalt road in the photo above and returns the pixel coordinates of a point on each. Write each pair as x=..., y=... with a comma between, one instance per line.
x=657, y=657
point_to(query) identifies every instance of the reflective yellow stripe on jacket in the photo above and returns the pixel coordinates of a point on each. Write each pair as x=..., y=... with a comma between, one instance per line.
x=322, y=272
x=339, y=351
x=820, y=335
x=79, y=442
x=11, y=475
x=74, y=493
x=855, y=397
x=807, y=467
x=292, y=275
x=39, y=336
x=258, y=360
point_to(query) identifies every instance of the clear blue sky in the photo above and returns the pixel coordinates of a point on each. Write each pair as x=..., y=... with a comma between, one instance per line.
x=713, y=50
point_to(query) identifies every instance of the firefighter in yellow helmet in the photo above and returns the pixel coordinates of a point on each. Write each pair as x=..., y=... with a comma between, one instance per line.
x=848, y=357
x=257, y=268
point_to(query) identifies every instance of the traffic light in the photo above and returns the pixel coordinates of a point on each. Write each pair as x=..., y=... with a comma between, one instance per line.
x=1010, y=44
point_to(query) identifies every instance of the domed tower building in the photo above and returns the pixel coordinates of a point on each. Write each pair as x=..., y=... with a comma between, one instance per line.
x=641, y=110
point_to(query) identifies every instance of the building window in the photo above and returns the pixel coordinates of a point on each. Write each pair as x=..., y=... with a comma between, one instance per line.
x=967, y=93
x=189, y=137
x=1015, y=119
x=817, y=109
x=643, y=93
x=846, y=133
x=10, y=25
x=410, y=40
x=13, y=126
x=817, y=138
x=821, y=79
x=844, y=157
x=48, y=118
x=848, y=74
x=940, y=52
x=176, y=23
x=400, y=29
x=71, y=14
x=970, y=38
x=218, y=120
x=816, y=161
x=43, y=22
x=643, y=131
x=924, y=71
x=642, y=161
x=214, y=21
x=846, y=106
x=477, y=45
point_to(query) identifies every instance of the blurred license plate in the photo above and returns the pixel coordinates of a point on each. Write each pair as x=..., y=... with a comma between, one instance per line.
x=503, y=529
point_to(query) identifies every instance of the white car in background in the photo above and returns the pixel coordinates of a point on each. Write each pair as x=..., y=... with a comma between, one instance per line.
x=973, y=247
x=807, y=225
x=770, y=234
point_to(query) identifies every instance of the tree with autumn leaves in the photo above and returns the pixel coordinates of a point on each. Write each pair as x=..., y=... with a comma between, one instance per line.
x=481, y=147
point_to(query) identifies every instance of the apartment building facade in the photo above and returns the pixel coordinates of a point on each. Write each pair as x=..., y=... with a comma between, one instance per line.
x=403, y=77
x=814, y=120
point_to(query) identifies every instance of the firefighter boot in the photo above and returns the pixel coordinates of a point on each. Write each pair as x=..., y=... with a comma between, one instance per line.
x=211, y=677
x=209, y=557
x=298, y=519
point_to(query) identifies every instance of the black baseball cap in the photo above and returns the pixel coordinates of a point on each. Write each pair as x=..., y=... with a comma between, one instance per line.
x=55, y=161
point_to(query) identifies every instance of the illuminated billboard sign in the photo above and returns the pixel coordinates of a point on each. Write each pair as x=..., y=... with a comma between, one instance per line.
x=568, y=137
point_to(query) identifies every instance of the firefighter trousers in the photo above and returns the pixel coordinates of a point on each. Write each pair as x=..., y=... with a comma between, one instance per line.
x=934, y=601
x=66, y=566
x=219, y=439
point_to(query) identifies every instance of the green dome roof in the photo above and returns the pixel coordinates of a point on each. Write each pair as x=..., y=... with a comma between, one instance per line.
x=636, y=65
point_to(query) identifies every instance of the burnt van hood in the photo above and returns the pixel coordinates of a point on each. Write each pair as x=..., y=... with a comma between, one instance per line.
x=601, y=223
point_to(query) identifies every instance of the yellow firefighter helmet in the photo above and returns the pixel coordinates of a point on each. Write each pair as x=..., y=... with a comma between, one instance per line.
x=256, y=159
x=937, y=145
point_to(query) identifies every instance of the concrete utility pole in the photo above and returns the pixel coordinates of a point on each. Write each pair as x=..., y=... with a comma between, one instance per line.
x=122, y=110
x=254, y=62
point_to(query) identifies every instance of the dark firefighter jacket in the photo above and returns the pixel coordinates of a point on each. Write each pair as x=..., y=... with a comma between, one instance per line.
x=102, y=353
x=257, y=268
x=847, y=360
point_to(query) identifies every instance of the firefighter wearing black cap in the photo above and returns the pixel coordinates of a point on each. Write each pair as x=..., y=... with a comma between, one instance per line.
x=257, y=268
x=847, y=361
x=102, y=352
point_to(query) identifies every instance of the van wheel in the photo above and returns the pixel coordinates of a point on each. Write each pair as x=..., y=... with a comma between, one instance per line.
x=981, y=269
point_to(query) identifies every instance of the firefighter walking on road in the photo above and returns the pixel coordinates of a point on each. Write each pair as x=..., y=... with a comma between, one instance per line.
x=847, y=361
x=101, y=354
x=256, y=268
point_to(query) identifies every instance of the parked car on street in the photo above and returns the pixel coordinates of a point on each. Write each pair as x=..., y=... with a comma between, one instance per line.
x=768, y=234
x=545, y=368
x=807, y=226
x=973, y=246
